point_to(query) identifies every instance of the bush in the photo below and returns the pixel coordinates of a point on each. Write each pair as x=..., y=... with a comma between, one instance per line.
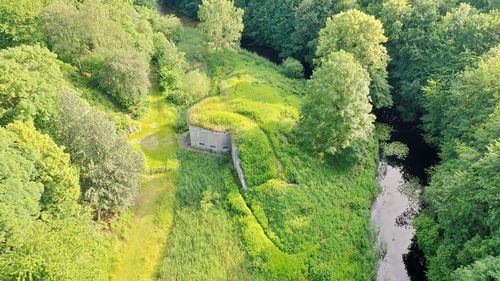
x=171, y=66
x=293, y=68
x=195, y=87
x=125, y=77
x=170, y=26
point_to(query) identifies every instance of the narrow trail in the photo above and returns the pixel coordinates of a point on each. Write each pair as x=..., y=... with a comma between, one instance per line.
x=142, y=248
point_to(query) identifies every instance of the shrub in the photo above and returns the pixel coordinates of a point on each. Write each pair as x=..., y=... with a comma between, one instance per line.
x=396, y=149
x=171, y=66
x=195, y=87
x=170, y=26
x=293, y=68
x=125, y=77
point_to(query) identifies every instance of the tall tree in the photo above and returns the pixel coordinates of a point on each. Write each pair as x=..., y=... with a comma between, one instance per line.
x=30, y=81
x=125, y=77
x=222, y=24
x=458, y=111
x=336, y=112
x=19, y=22
x=310, y=17
x=45, y=234
x=110, y=170
x=73, y=32
x=363, y=36
x=460, y=227
x=460, y=224
x=437, y=41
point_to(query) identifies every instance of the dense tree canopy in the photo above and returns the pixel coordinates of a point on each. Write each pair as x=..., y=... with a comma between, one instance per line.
x=363, y=36
x=443, y=59
x=432, y=46
x=110, y=170
x=19, y=22
x=336, y=112
x=222, y=24
x=30, y=82
x=460, y=224
x=44, y=231
x=73, y=32
x=456, y=112
x=126, y=77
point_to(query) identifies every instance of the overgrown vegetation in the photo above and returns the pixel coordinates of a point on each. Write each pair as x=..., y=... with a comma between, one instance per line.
x=293, y=202
x=442, y=72
x=212, y=250
x=87, y=87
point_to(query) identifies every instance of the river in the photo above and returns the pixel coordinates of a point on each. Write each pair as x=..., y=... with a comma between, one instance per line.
x=392, y=210
x=403, y=260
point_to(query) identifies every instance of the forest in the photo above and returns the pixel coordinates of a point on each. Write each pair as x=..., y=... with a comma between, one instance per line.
x=98, y=180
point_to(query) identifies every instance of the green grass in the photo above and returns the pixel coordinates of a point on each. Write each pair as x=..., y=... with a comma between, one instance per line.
x=312, y=220
x=145, y=237
x=204, y=243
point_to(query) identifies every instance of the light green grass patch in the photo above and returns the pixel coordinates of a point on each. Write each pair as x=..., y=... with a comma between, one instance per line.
x=146, y=236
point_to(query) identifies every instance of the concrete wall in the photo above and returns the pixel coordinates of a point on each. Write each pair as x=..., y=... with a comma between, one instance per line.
x=235, y=155
x=218, y=142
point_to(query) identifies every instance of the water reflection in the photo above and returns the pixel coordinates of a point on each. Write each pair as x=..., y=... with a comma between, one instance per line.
x=395, y=237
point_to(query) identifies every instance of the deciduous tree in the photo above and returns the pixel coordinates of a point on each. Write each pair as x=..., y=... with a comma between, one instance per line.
x=336, y=112
x=363, y=36
x=19, y=22
x=110, y=170
x=222, y=24
x=45, y=234
x=125, y=77
x=30, y=81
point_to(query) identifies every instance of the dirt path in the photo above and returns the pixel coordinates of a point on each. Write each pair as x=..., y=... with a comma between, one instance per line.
x=142, y=249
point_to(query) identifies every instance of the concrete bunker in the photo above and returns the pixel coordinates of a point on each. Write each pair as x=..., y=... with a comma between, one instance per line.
x=214, y=141
x=218, y=142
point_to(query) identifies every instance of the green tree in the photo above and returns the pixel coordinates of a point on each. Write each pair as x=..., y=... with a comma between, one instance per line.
x=125, y=77
x=434, y=46
x=310, y=17
x=172, y=65
x=30, y=82
x=484, y=269
x=19, y=22
x=393, y=14
x=463, y=209
x=457, y=112
x=195, y=87
x=222, y=24
x=363, y=36
x=293, y=68
x=73, y=32
x=45, y=234
x=110, y=170
x=336, y=112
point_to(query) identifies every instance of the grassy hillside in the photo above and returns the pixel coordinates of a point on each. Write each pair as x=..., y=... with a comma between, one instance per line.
x=302, y=218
